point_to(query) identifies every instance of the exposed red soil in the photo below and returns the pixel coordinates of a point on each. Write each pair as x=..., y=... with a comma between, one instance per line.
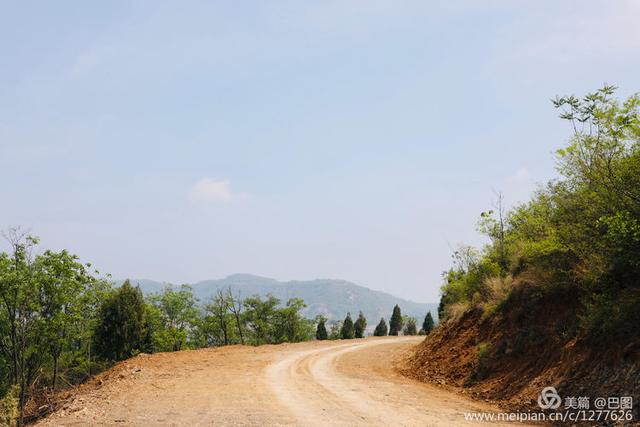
x=509, y=357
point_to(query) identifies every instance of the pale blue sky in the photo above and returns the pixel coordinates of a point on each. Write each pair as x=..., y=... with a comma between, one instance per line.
x=347, y=139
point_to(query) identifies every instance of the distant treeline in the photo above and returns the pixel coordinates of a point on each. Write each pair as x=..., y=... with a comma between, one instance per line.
x=60, y=323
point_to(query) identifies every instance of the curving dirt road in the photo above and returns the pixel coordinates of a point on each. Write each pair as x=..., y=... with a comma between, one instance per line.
x=337, y=383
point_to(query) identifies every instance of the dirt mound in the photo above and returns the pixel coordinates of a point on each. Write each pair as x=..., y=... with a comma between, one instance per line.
x=528, y=343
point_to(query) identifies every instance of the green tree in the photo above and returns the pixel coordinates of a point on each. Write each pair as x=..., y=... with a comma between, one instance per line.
x=176, y=317
x=410, y=327
x=360, y=326
x=260, y=317
x=21, y=338
x=347, y=331
x=290, y=325
x=219, y=310
x=48, y=306
x=334, y=330
x=381, y=330
x=268, y=323
x=321, y=329
x=427, y=324
x=395, y=324
x=122, y=328
x=63, y=283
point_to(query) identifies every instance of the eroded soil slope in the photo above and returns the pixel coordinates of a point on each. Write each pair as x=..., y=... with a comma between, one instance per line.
x=510, y=356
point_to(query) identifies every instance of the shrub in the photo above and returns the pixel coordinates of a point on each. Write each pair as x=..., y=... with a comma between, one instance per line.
x=9, y=407
x=360, y=326
x=410, y=327
x=381, y=330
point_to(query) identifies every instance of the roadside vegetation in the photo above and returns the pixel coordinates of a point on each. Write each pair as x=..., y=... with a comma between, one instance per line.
x=554, y=297
x=580, y=234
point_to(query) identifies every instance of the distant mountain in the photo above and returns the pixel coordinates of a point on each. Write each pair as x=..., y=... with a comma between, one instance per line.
x=329, y=297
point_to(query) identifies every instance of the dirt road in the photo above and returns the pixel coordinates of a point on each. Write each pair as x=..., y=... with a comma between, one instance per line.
x=336, y=383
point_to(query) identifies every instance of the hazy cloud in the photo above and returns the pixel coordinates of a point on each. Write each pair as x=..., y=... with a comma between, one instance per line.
x=211, y=190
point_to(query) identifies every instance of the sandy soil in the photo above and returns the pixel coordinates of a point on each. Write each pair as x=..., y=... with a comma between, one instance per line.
x=330, y=383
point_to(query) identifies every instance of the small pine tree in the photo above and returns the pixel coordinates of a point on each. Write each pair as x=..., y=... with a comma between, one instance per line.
x=122, y=329
x=381, y=329
x=395, y=324
x=427, y=325
x=410, y=327
x=347, y=332
x=360, y=326
x=321, y=330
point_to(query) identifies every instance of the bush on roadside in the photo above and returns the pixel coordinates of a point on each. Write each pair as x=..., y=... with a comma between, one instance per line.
x=9, y=407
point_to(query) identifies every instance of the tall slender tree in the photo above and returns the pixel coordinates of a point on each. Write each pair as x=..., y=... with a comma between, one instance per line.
x=121, y=330
x=395, y=324
x=321, y=330
x=347, y=331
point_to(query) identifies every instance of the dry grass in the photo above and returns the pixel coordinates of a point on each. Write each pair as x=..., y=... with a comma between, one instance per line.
x=453, y=312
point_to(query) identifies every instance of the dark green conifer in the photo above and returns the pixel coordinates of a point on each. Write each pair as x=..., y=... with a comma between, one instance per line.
x=347, y=331
x=395, y=324
x=360, y=326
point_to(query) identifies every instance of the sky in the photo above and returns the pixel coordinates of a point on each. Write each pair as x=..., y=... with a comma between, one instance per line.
x=360, y=140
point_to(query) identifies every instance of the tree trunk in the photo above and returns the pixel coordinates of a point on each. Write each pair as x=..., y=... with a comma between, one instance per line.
x=55, y=372
x=240, y=329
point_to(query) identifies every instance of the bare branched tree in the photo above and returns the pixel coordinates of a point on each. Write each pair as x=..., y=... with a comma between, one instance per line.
x=235, y=305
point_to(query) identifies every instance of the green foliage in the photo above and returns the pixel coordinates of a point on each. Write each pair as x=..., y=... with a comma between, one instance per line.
x=582, y=230
x=427, y=324
x=9, y=412
x=123, y=329
x=483, y=350
x=381, y=329
x=347, y=332
x=48, y=307
x=260, y=317
x=360, y=326
x=175, y=317
x=334, y=329
x=395, y=324
x=321, y=329
x=465, y=281
x=267, y=323
x=291, y=325
x=216, y=327
x=410, y=327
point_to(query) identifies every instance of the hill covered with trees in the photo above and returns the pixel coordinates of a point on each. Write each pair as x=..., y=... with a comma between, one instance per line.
x=554, y=298
x=330, y=298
